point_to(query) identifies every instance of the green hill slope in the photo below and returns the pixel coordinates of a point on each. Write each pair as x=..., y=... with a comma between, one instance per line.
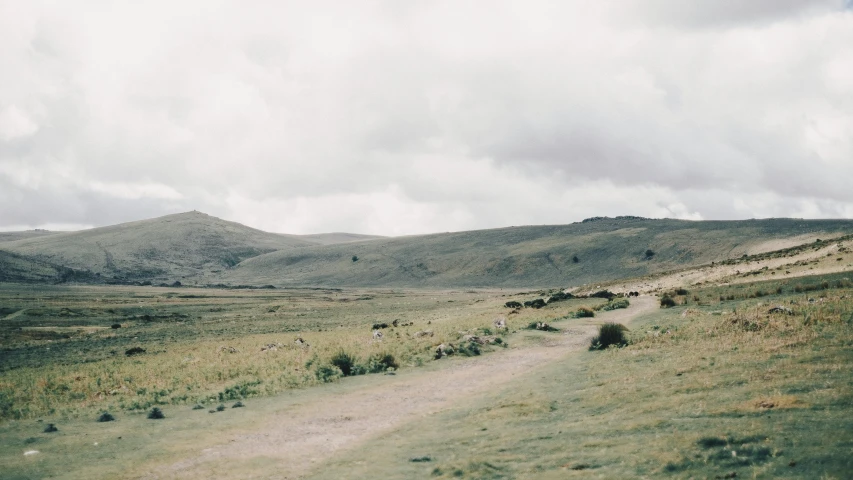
x=591, y=251
x=175, y=247
x=14, y=236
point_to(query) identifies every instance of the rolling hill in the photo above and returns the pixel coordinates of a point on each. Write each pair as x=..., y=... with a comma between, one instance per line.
x=199, y=249
x=595, y=250
x=181, y=246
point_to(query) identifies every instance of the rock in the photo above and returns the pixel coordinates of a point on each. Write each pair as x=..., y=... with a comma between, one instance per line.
x=781, y=309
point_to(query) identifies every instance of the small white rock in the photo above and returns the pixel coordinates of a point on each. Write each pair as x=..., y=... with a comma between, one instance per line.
x=31, y=452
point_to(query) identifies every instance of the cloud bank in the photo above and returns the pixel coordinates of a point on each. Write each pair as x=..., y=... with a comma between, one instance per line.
x=413, y=117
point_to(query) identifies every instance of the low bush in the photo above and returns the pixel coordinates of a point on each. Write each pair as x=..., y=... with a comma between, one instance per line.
x=106, y=417
x=381, y=362
x=50, y=428
x=666, y=301
x=156, y=414
x=609, y=334
x=238, y=405
x=615, y=304
x=328, y=373
x=346, y=363
x=584, y=312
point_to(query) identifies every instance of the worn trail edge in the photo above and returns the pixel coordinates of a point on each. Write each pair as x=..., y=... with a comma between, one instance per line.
x=297, y=439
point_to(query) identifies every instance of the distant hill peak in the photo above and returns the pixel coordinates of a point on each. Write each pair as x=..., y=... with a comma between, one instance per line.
x=621, y=217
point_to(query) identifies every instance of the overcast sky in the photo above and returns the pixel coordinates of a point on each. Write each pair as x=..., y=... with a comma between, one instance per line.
x=405, y=117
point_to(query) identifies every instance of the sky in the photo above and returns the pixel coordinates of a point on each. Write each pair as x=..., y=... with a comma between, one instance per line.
x=408, y=117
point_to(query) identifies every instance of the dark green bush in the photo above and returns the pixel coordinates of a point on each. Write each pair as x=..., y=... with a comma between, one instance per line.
x=346, y=363
x=666, y=301
x=584, y=312
x=381, y=362
x=609, y=334
x=106, y=417
x=681, y=291
x=156, y=414
x=328, y=373
x=613, y=305
x=220, y=408
x=238, y=405
x=50, y=428
x=468, y=349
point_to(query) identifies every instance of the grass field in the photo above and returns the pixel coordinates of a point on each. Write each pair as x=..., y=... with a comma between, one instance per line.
x=715, y=386
x=61, y=355
x=702, y=392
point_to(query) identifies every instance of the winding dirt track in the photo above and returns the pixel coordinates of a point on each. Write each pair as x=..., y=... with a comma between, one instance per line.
x=298, y=438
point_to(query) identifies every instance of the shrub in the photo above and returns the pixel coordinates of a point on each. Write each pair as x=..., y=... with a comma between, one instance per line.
x=650, y=253
x=198, y=407
x=468, y=349
x=613, y=305
x=381, y=362
x=328, y=373
x=355, y=258
x=666, y=301
x=584, y=312
x=609, y=334
x=345, y=362
x=537, y=303
x=50, y=428
x=603, y=294
x=681, y=291
x=513, y=304
x=238, y=405
x=220, y=408
x=575, y=259
x=156, y=414
x=106, y=417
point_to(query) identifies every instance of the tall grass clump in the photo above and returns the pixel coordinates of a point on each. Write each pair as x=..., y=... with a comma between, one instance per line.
x=609, y=334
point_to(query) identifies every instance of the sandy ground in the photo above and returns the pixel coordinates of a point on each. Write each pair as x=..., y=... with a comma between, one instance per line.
x=298, y=439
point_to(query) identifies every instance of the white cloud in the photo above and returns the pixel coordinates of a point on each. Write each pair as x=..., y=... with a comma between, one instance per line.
x=395, y=118
x=15, y=124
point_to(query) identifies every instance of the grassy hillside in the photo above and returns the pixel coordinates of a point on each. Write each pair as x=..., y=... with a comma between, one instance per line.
x=337, y=237
x=175, y=247
x=14, y=236
x=16, y=268
x=564, y=255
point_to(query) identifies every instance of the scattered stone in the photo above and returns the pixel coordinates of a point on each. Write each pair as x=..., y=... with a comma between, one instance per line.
x=30, y=452
x=425, y=333
x=781, y=309
x=500, y=323
x=227, y=349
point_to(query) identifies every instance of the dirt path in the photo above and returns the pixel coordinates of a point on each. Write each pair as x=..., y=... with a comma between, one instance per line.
x=300, y=437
